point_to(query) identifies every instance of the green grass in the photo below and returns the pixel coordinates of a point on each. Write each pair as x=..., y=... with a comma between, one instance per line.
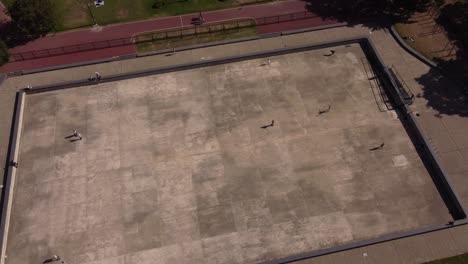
x=7, y=3
x=74, y=13
x=460, y=259
x=192, y=40
x=419, y=45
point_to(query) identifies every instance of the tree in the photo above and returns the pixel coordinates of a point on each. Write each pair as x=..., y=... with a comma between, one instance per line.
x=366, y=10
x=33, y=17
x=4, y=56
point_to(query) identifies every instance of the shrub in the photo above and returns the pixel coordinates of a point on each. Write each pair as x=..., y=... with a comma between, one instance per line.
x=4, y=56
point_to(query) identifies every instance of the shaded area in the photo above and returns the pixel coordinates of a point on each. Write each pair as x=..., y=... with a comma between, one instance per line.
x=371, y=13
x=446, y=89
x=454, y=18
x=460, y=259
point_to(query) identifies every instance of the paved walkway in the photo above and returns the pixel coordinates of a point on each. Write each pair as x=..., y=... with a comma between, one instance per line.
x=127, y=30
x=446, y=129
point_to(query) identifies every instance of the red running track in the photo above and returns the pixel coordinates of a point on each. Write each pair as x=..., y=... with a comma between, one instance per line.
x=68, y=58
x=129, y=29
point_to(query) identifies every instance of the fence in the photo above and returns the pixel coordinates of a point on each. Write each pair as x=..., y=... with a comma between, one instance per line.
x=284, y=18
x=71, y=49
x=399, y=84
x=233, y=25
x=160, y=35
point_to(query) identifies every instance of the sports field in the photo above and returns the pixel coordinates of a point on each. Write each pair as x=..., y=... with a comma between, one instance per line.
x=175, y=168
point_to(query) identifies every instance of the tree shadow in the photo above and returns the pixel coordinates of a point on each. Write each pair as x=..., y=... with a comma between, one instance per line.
x=375, y=14
x=446, y=89
x=454, y=19
x=11, y=35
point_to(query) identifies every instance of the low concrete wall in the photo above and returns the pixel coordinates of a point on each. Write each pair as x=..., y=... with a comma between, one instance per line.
x=9, y=181
x=438, y=173
x=349, y=246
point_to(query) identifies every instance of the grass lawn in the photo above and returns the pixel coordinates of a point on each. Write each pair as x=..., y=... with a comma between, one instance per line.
x=7, y=2
x=423, y=46
x=74, y=13
x=192, y=40
x=460, y=259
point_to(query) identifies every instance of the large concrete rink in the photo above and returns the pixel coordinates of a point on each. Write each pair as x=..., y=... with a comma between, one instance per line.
x=174, y=168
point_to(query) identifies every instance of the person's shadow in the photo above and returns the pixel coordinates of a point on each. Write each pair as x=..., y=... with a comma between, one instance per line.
x=269, y=125
x=378, y=147
x=330, y=54
x=49, y=260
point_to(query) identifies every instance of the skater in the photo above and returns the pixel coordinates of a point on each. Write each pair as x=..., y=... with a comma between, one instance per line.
x=324, y=111
x=379, y=147
x=13, y=164
x=202, y=19
x=331, y=53
x=79, y=136
x=52, y=259
x=98, y=76
x=269, y=125
x=75, y=133
x=266, y=63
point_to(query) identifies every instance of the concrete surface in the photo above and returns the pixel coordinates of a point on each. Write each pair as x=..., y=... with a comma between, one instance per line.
x=175, y=168
x=418, y=249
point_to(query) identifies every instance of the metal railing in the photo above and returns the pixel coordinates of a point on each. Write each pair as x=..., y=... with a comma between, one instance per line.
x=401, y=86
x=36, y=54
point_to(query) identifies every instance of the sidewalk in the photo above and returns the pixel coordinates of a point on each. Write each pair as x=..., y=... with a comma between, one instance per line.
x=447, y=132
